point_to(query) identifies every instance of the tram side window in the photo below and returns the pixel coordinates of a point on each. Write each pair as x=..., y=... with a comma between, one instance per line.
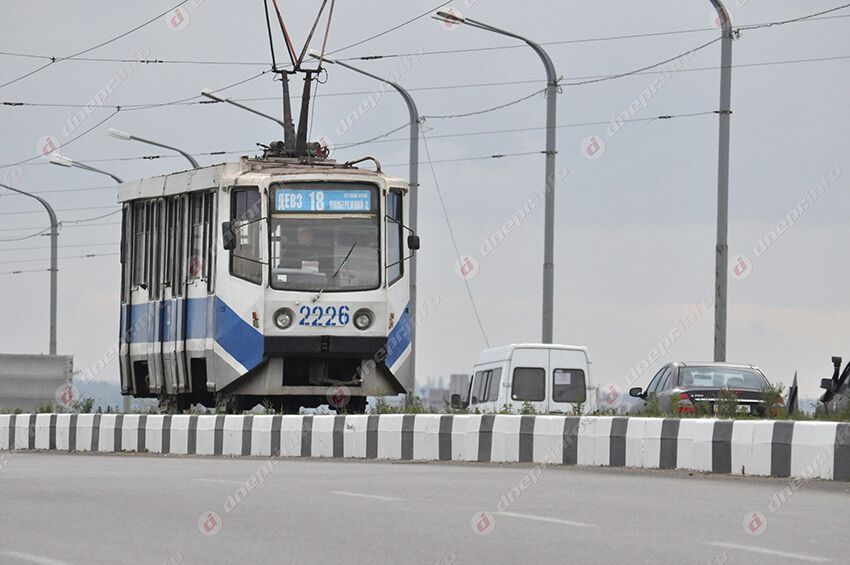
x=210, y=238
x=395, y=250
x=197, y=253
x=140, y=226
x=245, y=213
x=179, y=245
x=126, y=251
x=154, y=247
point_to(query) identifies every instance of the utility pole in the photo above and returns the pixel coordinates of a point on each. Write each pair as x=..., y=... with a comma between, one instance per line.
x=551, y=152
x=54, y=262
x=721, y=274
x=413, y=180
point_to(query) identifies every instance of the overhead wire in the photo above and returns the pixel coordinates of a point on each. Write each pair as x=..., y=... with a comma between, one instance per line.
x=392, y=29
x=54, y=60
x=579, y=41
x=192, y=100
x=64, y=246
x=809, y=18
x=375, y=139
x=452, y=236
x=86, y=256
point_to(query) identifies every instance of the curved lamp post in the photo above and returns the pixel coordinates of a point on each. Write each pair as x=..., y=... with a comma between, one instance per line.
x=551, y=151
x=63, y=161
x=54, y=266
x=124, y=136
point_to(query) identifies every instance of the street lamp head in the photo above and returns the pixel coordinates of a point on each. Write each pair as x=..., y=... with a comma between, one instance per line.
x=118, y=134
x=449, y=17
x=209, y=93
x=57, y=159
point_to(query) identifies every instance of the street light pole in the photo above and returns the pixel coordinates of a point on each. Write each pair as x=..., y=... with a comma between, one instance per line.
x=721, y=274
x=63, y=161
x=551, y=152
x=413, y=181
x=54, y=263
x=124, y=136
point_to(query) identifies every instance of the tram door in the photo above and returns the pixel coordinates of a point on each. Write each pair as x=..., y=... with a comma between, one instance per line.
x=199, y=287
x=173, y=291
x=155, y=285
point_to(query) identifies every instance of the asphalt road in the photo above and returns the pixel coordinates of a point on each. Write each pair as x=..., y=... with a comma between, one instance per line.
x=79, y=509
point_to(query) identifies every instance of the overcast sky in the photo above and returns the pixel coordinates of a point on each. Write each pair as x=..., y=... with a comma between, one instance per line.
x=635, y=226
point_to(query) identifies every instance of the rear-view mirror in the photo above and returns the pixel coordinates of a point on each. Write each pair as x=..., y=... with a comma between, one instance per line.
x=636, y=392
x=413, y=242
x=228, y=238
x=827, y=384
x=456, y=402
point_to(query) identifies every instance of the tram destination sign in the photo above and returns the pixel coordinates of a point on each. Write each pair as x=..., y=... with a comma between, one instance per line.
x=323, y=200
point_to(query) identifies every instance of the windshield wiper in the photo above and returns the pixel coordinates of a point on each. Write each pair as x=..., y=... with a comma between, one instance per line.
x=336, y=274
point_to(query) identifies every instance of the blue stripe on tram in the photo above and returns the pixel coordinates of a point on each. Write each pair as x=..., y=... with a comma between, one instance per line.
x=156, y=321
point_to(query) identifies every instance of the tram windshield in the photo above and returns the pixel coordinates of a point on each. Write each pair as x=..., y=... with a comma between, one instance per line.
x=325, y=236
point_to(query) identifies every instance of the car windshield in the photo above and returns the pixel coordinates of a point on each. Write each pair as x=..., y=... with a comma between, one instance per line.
x=721, y=377
x=325, y=236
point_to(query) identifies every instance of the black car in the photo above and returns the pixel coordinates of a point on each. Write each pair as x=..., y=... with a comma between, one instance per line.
x=695, y=388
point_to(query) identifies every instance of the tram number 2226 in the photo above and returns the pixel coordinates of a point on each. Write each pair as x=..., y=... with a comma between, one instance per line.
x=327, y=316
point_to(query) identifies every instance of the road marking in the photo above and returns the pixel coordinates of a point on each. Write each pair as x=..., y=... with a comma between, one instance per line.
x=19, y=555
x=375, y=496
x=764, y=551
x=225, y=481
x=546, y=519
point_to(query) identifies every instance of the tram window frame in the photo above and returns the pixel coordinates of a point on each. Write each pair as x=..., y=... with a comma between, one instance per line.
x=395, y=249
x=139, y=244
x=210, y=238
x=170, y=236
x=246, y=261
x=156, y=247
x=126, y=250
x=181, y=244
x=275, y=215
x=197, y=236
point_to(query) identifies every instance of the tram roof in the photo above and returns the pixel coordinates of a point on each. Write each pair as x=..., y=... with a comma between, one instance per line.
x=249, y=170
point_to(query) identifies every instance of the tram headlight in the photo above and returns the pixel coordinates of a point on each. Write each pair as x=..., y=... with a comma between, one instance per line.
x=283, y=318
x=363, y=319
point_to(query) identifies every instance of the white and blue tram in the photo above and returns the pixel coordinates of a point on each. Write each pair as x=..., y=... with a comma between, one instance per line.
x=273, y=279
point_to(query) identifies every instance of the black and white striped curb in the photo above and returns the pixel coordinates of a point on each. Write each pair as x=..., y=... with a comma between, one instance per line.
x=764, y=448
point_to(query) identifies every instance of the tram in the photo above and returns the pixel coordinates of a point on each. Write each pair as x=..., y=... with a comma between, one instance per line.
x=275, y=279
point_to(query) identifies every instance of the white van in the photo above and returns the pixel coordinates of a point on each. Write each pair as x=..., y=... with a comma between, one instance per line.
x=550, y=378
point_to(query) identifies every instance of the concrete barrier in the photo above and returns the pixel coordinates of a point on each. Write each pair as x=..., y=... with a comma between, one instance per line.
x=809, y=450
